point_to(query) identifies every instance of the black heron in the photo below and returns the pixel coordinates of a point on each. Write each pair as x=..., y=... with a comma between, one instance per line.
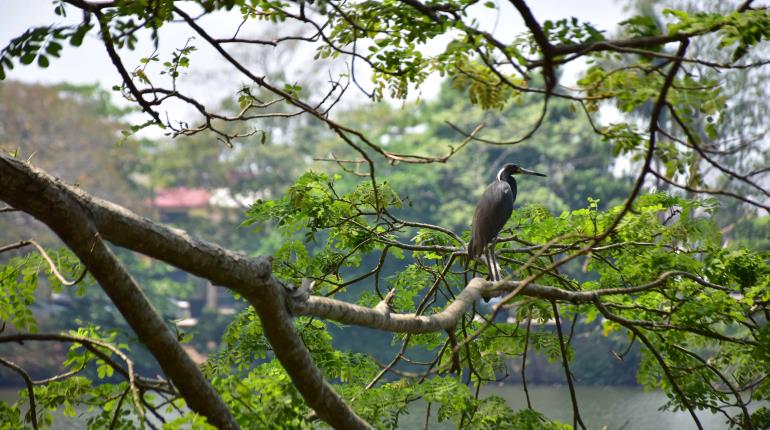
x=492, y=212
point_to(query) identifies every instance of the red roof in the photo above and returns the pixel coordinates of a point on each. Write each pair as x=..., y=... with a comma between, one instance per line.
x=181, y=198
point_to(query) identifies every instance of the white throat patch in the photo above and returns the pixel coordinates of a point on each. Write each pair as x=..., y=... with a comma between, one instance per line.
x=500, y=174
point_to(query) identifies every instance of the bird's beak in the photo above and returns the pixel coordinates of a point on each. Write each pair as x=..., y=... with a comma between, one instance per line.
x=529, y=172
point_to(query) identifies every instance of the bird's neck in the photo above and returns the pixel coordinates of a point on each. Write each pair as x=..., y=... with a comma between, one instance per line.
x=512, y=182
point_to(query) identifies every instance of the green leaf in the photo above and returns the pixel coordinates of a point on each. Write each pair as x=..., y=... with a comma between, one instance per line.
x=77, y=37
x=28, y=58
x=53, y=48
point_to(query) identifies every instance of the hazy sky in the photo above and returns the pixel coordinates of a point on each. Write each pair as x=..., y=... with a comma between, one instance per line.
x=89, y=63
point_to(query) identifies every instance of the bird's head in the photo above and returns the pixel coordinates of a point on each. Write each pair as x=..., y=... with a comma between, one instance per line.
x=513, y=169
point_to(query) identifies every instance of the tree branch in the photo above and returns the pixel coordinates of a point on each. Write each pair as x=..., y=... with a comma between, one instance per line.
x=51, y=264
x=49, y=201
x=576, y=419
x=650, y=347
x=47, y=198
x=93, y=345
x=549, y=75
x=118, y=63
x=30, y=390
x=349, y=313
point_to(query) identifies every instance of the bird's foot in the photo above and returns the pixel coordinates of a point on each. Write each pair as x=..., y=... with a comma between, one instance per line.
x=384, y=305
x=302, y=292
x=297, y=295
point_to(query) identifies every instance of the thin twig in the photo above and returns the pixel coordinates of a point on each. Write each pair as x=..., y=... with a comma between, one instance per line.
x=32, y=413
x=576, y=419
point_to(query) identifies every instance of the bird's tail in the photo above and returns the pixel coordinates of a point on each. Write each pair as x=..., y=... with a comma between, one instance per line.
x=475, y=253
x=474, y=250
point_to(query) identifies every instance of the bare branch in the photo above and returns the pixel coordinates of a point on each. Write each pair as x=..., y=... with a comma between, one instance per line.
x=694, y=144
x=714, y=191
x=93, y=345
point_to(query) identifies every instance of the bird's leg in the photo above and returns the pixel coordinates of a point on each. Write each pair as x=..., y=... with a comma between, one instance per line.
x=495, y=266
x=490, y=270
x=492, y=263
x=498, y=268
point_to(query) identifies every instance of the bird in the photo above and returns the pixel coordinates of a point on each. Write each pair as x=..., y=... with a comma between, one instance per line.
x=492, y=212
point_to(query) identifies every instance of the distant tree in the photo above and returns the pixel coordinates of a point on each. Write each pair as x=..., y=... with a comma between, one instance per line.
x=739, y=142
x=44, y=124
x=658, y=271
x=55, y=126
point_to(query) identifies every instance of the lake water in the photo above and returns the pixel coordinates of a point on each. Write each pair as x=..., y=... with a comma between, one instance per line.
x=610, y=408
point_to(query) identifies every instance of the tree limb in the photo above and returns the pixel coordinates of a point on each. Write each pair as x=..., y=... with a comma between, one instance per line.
x=49, y=201
x=64, y=208
x=349, y=313
x=549, y=75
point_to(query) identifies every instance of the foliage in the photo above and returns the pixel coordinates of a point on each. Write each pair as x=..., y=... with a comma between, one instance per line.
x=38, y=43
x=662, y=234
x=263, y=393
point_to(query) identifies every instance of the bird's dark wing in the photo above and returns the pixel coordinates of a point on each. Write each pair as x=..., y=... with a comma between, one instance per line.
x=492, y=212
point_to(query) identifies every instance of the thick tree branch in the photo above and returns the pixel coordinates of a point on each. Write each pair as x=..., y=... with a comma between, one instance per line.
x=50, y=202
x=269, y=302
x=56, y=204
x=349, y=313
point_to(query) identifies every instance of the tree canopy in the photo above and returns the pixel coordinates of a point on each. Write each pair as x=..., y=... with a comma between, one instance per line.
x=360, y=213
